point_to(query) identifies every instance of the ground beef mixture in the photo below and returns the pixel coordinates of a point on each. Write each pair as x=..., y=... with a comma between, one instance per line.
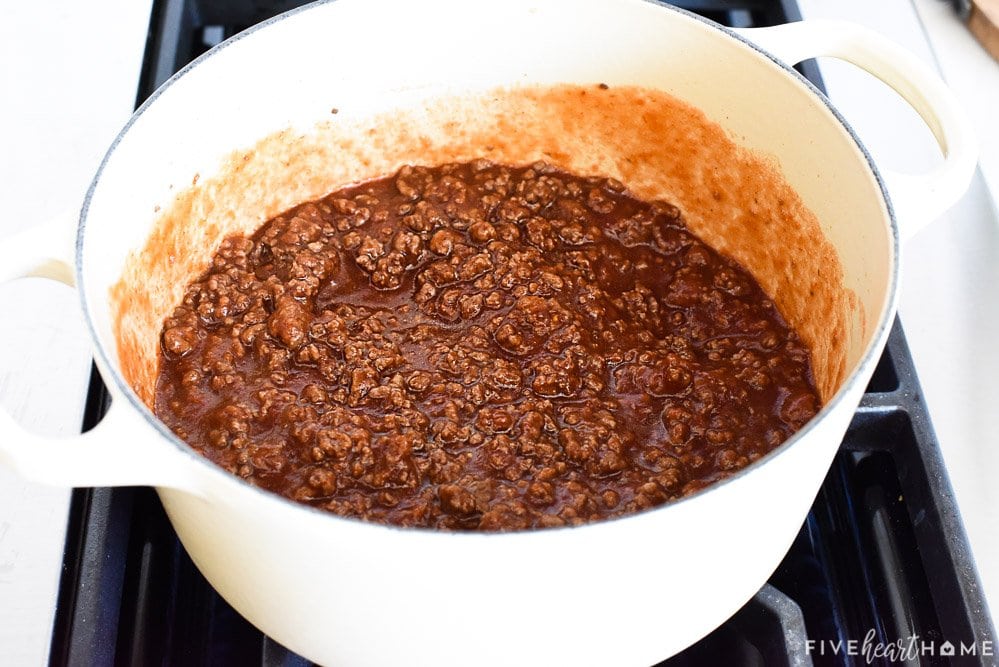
x=476, y=346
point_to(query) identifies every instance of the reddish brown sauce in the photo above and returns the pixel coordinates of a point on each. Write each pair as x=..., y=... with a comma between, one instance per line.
x=474, y=346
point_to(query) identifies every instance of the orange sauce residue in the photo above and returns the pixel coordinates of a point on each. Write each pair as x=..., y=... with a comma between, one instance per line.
x=660, y=147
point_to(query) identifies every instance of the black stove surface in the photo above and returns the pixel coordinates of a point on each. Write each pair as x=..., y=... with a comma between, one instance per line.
x=880, y=573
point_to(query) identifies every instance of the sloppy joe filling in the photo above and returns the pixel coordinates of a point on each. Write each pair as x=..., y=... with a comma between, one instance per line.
x=480, y=347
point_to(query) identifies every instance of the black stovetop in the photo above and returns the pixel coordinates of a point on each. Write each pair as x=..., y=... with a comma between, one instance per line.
x=882, y=555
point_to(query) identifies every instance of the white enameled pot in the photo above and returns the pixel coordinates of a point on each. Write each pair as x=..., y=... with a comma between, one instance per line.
x=630, y=591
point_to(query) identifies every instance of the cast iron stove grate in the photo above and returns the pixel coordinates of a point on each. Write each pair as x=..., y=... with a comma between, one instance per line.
x=882, y=551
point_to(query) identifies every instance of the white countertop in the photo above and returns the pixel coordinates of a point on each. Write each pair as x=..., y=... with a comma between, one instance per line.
x=69, y=72
x=68, y=79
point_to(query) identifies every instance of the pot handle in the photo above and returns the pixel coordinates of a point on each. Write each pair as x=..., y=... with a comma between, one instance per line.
x=108, y=454
x=917, y=199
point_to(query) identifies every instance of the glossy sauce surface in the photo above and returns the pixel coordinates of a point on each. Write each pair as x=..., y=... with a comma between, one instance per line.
x=474, y=346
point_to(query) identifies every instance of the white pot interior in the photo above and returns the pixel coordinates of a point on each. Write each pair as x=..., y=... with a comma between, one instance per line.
x=249, y=132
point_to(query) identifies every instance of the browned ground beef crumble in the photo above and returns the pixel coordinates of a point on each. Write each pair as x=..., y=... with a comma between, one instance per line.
x=476, y=346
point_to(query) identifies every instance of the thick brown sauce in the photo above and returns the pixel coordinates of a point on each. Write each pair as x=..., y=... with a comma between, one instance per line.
x=476, y=346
